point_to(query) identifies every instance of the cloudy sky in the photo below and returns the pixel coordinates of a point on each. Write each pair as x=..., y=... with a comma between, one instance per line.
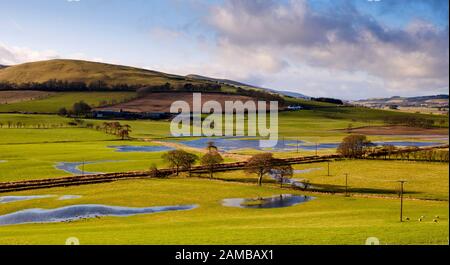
x=347, y=49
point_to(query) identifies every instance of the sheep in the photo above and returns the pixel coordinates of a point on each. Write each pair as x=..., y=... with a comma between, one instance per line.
x=420, y=220
x=435, y=220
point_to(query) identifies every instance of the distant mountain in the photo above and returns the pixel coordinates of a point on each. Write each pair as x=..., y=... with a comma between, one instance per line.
x=420, y=101
x=246, y=86
x=3, y=66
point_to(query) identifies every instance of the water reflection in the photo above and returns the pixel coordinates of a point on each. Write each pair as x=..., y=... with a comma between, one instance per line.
x=284, y=200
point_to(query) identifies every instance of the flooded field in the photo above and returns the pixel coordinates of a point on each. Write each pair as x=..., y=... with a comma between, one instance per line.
x=278, y=201
x=76, y=212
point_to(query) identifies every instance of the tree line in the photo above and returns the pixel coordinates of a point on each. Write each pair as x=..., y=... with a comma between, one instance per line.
x=115, y=128
x=187, y=87
x=54, y=85
x=412, y=121
x=358, y=146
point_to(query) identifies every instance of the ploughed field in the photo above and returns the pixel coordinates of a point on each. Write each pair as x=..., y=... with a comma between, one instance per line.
x=161, y=102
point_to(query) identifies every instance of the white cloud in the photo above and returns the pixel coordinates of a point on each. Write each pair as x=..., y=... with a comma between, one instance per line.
x=266, y=40
x=10, y=55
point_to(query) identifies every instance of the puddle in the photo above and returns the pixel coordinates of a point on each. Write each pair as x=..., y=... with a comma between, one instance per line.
x=140, y=148
x=77, y=212
x=307, y=170
x=277, y=201
x=74, y=167
x=233, y=143
x=294, y=182
x=69, y=197
x=8, y=199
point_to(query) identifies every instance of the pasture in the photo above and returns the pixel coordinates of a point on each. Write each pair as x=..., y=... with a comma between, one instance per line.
x=324, y=220
x=32, y=150
x=51, y=103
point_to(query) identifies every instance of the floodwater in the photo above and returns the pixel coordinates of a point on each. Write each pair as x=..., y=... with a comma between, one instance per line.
x=74, y=167
x=226, y=144
x=140, y=148
x=235, y=143
x=8, y=199
x=69, y=197
x=294, y=182
x=278, y=201
x=77, y=212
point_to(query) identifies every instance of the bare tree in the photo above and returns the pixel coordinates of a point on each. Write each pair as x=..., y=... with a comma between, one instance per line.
x=174, y=159
x=354, y=146
x=211, y=160
x=187, y=160
x=283, y=172
x=260, y=164
x=212, y=147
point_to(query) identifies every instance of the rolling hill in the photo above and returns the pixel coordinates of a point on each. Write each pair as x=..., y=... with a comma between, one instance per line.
x=87, y=72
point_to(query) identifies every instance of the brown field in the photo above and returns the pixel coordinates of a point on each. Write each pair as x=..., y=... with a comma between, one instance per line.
x=161, y=102
x=7, y=97
x=399, y=130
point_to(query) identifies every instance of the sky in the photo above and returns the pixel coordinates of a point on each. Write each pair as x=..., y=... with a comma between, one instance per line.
x=348, y=49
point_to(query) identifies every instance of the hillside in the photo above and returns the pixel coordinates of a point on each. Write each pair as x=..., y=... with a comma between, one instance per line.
x=2, y=66
x=87, y=72
x=246, y=86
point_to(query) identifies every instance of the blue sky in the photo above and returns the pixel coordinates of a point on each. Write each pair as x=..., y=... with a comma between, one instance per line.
x=348, y=49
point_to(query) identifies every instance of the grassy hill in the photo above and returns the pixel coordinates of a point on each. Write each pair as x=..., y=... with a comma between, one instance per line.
x=84, y=71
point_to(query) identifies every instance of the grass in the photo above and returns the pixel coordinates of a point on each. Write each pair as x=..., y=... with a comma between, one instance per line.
x=325, y=220
x=54, y=102
x=85, y=71
x=370, y=177
x=31, y=153
x=425, y=180
x=33, y=161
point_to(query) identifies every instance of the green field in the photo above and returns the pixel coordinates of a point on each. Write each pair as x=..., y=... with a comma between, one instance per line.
x=53, y=103
x=370, y=177
x=32, y=151
x=325, y=220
